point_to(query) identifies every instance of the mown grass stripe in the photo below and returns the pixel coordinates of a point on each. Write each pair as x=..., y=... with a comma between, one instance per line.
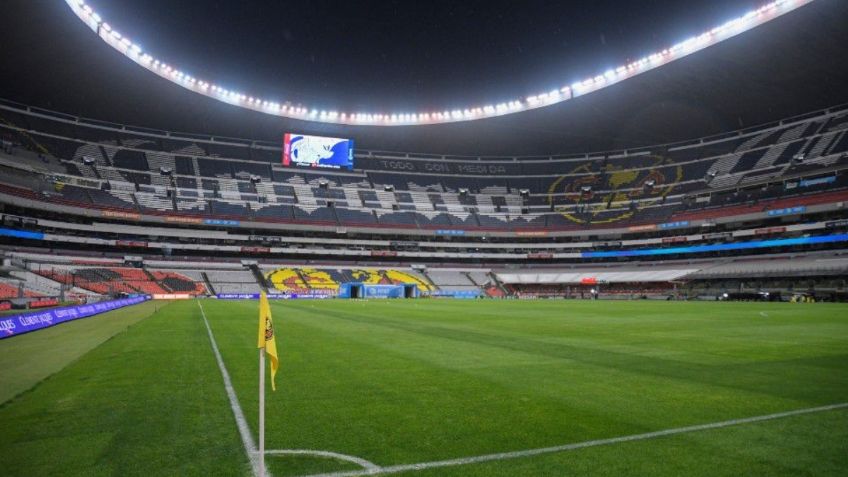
x=578, y=445
x=238, y=414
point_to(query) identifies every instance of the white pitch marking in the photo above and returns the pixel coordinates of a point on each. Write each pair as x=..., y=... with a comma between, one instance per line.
x=764, y=314
x=578, y=445
x=367, y=465
x=241, y=422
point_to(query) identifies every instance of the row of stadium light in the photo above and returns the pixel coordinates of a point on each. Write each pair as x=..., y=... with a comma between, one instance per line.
x=297, y=111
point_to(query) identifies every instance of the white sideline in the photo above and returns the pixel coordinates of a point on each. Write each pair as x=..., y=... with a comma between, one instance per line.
x=244, y=429
x=578, y=445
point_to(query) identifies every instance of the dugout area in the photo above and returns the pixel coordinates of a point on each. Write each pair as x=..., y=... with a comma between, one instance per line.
x=370, y=290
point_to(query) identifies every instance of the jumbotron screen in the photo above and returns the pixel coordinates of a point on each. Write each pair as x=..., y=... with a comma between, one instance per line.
x=317, y=151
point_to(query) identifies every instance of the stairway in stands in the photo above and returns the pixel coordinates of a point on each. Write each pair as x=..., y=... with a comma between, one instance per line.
x=498, y=285
x=303, y=278
x=208, y=283
x=153, y=280
x=429, y=280
x=260, y=278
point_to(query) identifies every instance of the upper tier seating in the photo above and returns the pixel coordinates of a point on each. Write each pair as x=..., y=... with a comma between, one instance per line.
x=235, y=179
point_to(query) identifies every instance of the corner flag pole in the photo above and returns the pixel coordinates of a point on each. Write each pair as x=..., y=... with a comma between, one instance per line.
x=267, y=345
x=261, y=412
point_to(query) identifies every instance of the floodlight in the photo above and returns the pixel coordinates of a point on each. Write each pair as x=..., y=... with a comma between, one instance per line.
x=661, y=57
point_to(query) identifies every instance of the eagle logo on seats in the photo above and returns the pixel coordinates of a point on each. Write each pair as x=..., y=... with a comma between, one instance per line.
x=610, y=192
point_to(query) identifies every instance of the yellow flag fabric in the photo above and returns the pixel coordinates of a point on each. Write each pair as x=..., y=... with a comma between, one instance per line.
x=267, y=339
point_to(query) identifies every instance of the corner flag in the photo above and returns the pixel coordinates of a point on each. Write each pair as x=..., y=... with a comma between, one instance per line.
x=266, y=336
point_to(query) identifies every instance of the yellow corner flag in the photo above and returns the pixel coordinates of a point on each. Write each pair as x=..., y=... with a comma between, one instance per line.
x=266, y=336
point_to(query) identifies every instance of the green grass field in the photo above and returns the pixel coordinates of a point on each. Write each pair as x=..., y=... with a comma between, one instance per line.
x=138, y=391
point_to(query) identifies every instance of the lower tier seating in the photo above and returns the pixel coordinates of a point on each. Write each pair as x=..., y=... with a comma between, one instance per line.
x=307, y=280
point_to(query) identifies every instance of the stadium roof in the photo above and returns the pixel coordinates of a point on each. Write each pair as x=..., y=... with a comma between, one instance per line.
x=568, y=88
x=789, y=66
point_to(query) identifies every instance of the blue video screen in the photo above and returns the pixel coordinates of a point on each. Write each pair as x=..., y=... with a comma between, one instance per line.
x=317, y=151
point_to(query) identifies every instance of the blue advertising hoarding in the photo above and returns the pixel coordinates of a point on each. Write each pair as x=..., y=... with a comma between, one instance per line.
x=272, y=296
x=26, y=322
x=462, y=294
x=787, y=211
x=718, y=247
x=674, y=225
x=817, y=181
x=21, y=234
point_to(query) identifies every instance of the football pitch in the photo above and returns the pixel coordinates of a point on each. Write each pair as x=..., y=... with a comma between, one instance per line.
x=433, y=388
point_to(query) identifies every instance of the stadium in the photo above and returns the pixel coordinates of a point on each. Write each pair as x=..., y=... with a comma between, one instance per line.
x=566, y=240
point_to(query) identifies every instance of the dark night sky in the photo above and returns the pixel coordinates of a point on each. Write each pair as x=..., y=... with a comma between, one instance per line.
x=405, y=55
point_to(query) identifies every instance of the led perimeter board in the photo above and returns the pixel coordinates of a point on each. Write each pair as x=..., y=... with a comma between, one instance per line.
x=317, y=151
